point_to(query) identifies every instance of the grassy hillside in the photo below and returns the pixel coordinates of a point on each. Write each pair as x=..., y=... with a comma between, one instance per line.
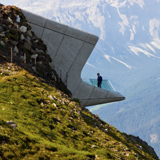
x=50, y=125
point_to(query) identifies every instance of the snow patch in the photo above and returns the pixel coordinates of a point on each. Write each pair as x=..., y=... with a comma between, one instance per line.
x=91, y=65
x=137, y=50
x=79, y=16
x=124, y=22
x=132, y=35
x=128, y=66
x=98, y=20
x=147, y=46
x=143, y=28
x=107, y=57
x=154, y=27
x=154, y=138
x=139, y=2
x=158, y=79
x=150, y=47
x=156, y=43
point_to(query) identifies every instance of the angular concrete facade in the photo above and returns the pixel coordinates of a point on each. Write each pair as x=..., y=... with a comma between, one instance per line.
x=69, y=49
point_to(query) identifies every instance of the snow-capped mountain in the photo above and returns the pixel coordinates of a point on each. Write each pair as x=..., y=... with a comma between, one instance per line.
x=128, y=53
x=128, y=30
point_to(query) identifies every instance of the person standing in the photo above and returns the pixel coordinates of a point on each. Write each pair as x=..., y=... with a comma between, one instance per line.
x=99, y=80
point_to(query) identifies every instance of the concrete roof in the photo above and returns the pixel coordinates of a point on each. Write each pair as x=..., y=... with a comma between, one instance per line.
x=69, y=49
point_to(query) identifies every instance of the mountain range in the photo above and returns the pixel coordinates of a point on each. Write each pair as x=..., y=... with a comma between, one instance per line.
x=127, y=53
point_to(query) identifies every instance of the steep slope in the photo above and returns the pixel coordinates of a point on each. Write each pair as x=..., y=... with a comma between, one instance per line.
x=50, y=125
x=38, y=121
x=127, y=54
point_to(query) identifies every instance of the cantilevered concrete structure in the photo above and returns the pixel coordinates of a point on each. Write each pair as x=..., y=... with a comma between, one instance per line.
x=69, y=49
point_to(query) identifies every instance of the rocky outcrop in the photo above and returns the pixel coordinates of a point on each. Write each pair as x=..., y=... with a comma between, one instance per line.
x=15, y=33
x=12, y=124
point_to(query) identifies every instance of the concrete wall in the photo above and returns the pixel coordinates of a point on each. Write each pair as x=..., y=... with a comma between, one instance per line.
x=69, y=49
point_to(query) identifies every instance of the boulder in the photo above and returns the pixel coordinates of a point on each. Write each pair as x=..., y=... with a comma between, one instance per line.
x=39, y=51
x=50, y=97
x=28, y=39
x=2, y=43
x=27, y=45
x=16, y=49
x=2, y=35
x=14, y=42
x=34, y=56
x=1, y=29
x=18, y=19
x=10, y=20
x=22, y=58
x=22, y=37
x=23, y=29
x=36, y=41
x=34, y=68
x=12, y=124
x=16, y=25
x=40, y=62
x=29, y=33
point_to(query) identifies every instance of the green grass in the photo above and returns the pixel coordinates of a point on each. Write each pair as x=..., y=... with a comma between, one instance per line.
x=50, y=125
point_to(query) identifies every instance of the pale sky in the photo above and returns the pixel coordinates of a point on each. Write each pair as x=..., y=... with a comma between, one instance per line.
x=8, y=2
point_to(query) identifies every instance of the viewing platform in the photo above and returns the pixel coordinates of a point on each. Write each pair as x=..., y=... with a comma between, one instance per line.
x=106, y=84
x=69, y=49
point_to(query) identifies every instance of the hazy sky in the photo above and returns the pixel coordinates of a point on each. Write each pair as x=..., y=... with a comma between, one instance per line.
x=8, y=2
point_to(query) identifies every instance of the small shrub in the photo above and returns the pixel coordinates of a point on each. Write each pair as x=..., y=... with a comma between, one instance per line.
x=76, y=100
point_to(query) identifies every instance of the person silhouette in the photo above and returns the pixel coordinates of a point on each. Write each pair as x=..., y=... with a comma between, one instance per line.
x=99, y=80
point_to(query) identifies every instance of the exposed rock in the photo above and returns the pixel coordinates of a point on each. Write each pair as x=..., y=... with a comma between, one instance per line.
x=12, y=124
x=93, y=146
x=27, y=45
x=16, y=49
x=54, y=105
x=39, y=51
x=16, y=25
x=1, y=29
x=10, y=20
x=29, y=33
x=106, y=130
x=40, y=62
x=96, y=157
x=34, y=56
x=18, y=19
x=14, y=42
x=23, y=29
x=140, y=147
x=42, y=104
x=15, y=31
x=60, y=101
x=36, y=41
x=22, y=37
x=34, y=68
x=51, y=97
x=2, y=43
x=28, y=39
x=22, y=58
x=2, y=35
